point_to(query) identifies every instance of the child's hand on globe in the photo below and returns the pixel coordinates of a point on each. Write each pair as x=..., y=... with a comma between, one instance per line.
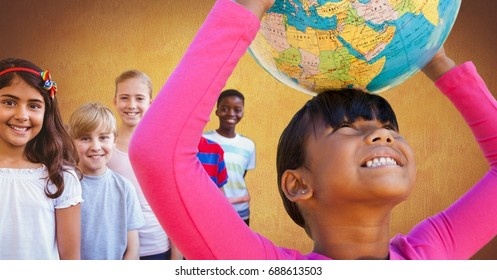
x=438, y=65
x=258, y=7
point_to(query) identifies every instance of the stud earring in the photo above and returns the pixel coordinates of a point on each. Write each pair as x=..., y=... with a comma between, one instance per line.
x=303, y=192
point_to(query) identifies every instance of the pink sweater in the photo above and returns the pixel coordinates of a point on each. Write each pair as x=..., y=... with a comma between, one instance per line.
x=186, y=201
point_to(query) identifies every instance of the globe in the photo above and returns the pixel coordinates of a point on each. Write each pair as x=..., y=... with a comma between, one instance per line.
x=316, y=45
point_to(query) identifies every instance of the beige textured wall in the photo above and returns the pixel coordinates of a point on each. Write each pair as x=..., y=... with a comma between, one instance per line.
x=86, y=44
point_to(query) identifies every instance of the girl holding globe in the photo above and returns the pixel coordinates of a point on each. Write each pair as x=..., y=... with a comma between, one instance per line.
x=342, y=164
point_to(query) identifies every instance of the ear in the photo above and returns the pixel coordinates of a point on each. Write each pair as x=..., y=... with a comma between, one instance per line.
x=294, y=187
x=114, y=101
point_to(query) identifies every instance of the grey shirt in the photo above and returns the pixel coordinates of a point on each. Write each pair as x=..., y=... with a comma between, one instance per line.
x=110, y=209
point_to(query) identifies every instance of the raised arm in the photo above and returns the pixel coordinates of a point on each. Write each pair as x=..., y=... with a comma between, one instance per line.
x=257, y=7
x=164, y=146
x=471, y=222
x=438, y=65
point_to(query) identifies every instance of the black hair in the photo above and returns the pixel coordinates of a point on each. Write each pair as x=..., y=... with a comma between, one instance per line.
x=333, y=108
x=228, y=93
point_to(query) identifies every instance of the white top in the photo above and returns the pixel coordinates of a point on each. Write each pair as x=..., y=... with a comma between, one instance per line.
x=239, y=156
x=153, y=239
x=27, y=215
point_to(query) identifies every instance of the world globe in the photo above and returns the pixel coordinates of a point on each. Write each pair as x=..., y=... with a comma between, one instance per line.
x=317, y=45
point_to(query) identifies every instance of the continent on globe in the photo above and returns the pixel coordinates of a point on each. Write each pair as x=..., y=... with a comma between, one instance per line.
x=316, y=45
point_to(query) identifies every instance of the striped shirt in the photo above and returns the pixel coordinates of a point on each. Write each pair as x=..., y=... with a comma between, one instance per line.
x=211, y=155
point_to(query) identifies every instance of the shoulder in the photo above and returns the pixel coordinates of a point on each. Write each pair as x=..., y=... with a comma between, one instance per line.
x=246, y=141
x=119, y=179
x=72, y=194
x=70, y=174
x=211, y=145
x=210, y=135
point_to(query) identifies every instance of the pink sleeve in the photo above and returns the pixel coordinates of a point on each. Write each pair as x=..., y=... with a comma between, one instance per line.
x=189, y=206
x=471, y=222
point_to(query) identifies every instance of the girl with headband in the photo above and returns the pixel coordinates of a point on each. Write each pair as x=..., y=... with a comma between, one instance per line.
x=40, y=192
x=342, y=163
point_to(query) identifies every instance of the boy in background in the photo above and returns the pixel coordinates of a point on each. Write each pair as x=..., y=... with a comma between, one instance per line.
x=239, y=151
x=110, y=214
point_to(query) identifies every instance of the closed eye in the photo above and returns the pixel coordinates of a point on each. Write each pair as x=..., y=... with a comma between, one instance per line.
x=389, y=127
x=346, y=128
x=346, y=125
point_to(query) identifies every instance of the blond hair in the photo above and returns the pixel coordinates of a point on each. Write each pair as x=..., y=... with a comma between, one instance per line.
x=132, y=74
x=89, y=117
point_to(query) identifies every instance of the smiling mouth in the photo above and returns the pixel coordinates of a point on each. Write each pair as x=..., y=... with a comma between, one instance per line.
x=230, y=120
x=96, y=156
x=19, y=129
x=380, y=161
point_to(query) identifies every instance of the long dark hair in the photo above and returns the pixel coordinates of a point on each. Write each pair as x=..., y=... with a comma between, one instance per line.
x=52, y=146
x=333, y=108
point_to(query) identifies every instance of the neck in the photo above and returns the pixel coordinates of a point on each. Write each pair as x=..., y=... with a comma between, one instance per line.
x=228, y=133
x=124, y=135
x=15, y=158
x=93, y=173
x=354, y=243
x=353, y=239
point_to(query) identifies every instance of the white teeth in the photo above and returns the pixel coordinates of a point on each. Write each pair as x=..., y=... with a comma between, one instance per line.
x=21, y=129
x=382, y=161
x=96, y=156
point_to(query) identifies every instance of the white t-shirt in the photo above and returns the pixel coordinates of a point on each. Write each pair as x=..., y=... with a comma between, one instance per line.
x=239, y=156
x=153, y=239
x=27, y=215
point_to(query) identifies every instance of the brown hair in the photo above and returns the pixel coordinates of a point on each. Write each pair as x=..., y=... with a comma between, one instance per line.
x=89, y=118
x=133, y=73
x=53, y=147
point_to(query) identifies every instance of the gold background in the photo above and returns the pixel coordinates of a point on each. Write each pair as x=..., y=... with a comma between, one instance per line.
x=86, y=44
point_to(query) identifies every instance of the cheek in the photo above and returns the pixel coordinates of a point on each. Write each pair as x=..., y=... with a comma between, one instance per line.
x=412, y=171
x=411, y=161
x=80, y=147
x=108, y=148
x=121, y=106
x=144, y=107
x=39, y=119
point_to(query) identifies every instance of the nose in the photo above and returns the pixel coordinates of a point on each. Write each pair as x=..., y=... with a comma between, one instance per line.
x=21, y=114
x=96, y=146
x=132, y=103
x=230, y=112
x=380, y=136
